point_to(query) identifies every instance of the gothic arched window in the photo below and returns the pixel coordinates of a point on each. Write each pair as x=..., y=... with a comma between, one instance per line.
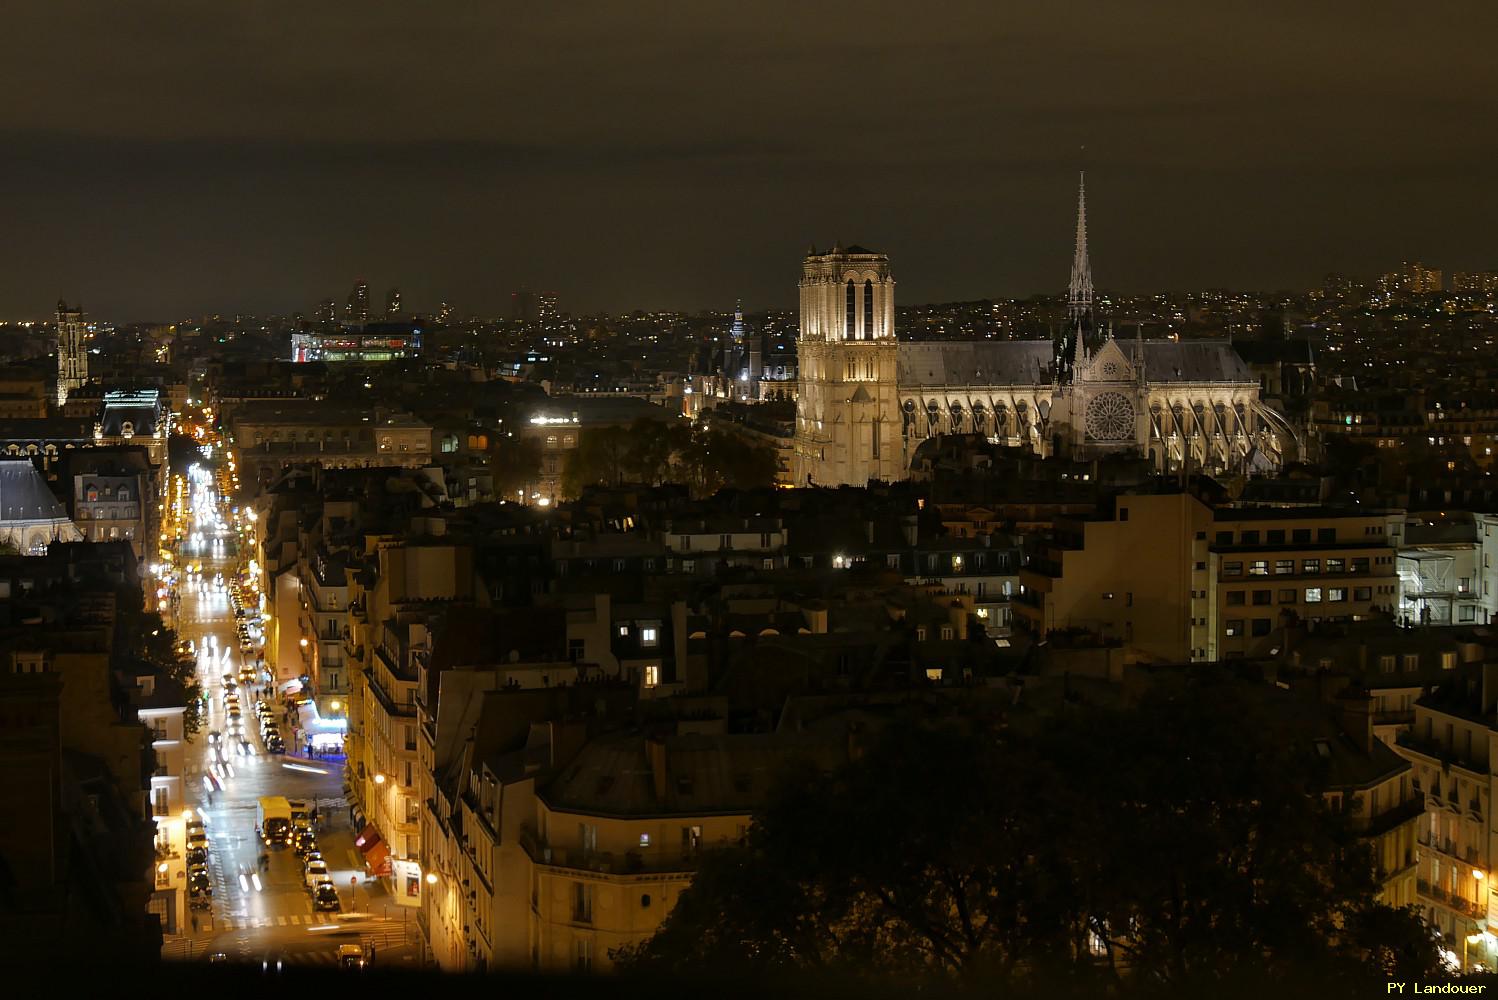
x=848, y=331
x=868, y=309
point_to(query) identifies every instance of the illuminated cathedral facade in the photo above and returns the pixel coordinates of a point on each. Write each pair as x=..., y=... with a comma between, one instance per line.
x=866, y=401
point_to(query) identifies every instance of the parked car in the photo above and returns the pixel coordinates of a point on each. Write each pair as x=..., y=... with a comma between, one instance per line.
x=197, y=856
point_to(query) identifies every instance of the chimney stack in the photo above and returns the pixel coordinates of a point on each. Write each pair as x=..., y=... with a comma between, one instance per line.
x=655, y=751
x=1356, y=707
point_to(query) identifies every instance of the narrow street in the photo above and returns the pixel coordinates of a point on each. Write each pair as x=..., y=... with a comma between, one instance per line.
x=263, y=916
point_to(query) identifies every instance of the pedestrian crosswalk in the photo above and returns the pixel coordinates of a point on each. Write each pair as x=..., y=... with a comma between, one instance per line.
x=255, y=923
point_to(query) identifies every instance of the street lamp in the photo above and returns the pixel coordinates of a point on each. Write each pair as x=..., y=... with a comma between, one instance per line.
x=431, y=878
x=379, y=779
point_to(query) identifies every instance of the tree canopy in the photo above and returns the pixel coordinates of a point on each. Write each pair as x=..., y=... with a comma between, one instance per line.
x=514, y=462
x=652, y=452
x=1175, y=844
x=145, y=638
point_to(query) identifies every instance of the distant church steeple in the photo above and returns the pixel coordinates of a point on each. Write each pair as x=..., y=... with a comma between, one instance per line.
x=1079, y=293
x=1078, y=332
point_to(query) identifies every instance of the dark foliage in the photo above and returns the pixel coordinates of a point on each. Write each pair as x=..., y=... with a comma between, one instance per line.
x=1179, y=844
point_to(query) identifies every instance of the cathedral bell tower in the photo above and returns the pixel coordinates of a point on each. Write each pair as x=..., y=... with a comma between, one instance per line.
x=847, y=409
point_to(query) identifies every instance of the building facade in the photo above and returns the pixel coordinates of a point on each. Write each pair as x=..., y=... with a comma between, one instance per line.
x=865, y=401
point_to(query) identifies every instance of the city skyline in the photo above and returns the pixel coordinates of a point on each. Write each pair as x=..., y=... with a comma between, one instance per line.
x=703, y=153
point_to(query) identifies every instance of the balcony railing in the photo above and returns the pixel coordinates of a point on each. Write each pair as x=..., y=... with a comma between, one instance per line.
x=644, y=861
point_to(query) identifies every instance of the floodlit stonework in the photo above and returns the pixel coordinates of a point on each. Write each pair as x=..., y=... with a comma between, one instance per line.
x=866, y=402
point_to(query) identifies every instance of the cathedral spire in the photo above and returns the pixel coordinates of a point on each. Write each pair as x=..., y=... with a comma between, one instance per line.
x=1079, y=294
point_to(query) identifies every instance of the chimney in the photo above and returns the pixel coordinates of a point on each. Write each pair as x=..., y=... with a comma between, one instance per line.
x=1489, y=685
x=655, y=751
x=1356, y=708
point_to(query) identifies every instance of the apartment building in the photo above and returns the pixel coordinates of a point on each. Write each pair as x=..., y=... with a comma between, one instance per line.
x=1394, y=665
x=700, y=545
x=161, y=705
x=23, y=394
x=1446, y=569
x=323, y=624
x=1452, y=745
x=113, y=496
x=490, y=746
x=1178, y=580
x=1270, y=567
x=1139, y=576
x=391, y=626
x=617, y=835
x=267, y=436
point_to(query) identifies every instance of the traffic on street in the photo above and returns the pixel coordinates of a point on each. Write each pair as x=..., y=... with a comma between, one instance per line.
x=274, y=878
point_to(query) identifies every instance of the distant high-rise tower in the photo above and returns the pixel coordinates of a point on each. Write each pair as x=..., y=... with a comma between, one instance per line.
x=327, y=312
x=1080, y=322
x=72, y=353
x=357, y=308
x=522, y=305
x=445, y=313
x=393, y=302
x=548, y=313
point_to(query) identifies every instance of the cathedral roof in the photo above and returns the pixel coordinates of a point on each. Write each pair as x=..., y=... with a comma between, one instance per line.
x=1192, y=361
x=987, y=362
x=24, y=495
x=1028, y=362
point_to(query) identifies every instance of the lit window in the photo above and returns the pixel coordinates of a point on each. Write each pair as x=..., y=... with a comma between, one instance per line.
x=1313, y=595
x=652, y=676
x=647, y=635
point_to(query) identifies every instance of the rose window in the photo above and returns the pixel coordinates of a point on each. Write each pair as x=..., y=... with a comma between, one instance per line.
x=1110, y=417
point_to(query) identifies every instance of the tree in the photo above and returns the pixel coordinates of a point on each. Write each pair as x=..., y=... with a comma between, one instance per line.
x=1183, y=842
x=515, y=463
x=142, y=637
x=599, y=459
x=651, y=444
x=652, y=452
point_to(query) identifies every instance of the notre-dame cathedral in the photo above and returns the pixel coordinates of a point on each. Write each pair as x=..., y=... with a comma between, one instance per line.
x=866, y=401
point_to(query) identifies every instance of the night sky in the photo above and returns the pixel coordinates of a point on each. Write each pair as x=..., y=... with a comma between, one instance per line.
x=163, y=159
